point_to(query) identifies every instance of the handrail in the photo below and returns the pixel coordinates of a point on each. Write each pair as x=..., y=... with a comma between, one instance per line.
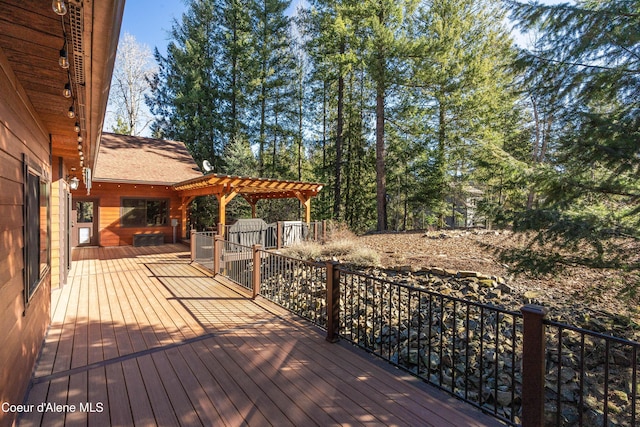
x=519, y=367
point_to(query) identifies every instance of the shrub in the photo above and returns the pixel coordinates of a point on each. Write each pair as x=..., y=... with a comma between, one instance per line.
x=341, y=244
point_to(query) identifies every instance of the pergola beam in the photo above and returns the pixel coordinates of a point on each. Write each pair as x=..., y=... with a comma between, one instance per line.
x=225, y=188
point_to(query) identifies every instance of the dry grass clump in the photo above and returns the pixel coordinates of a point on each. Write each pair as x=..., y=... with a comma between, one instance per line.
x=341, y=244
x=304, y=250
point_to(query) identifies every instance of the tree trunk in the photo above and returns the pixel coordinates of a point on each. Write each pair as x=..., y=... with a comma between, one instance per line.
x=442, y=135
x=339, y=137
x=381, y=187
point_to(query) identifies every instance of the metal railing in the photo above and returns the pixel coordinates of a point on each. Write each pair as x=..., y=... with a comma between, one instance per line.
x=278, y=234
x=591, y=378
x=519, y=367
x=467, y=349
x=202, y=246
x=236, y=263
x=299, y=286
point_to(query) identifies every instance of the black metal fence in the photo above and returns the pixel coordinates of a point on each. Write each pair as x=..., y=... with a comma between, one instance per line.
x=299, y=286
x=236, y=263
x=467, y=349
x=591, y=378
x=517, y=366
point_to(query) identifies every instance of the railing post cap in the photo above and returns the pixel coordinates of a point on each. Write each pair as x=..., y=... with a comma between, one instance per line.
x=534, y=309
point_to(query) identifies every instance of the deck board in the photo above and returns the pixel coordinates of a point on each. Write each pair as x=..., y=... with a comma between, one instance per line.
x=152, y=340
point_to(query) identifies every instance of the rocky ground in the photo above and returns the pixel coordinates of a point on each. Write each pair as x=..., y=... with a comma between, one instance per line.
x=602, y=299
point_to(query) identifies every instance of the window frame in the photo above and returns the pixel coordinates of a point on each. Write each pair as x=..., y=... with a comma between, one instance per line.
x=36, y=229
x=146, y=200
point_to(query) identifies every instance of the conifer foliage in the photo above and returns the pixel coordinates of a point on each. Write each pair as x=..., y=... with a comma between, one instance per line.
x=589, y=56
x=413, y=112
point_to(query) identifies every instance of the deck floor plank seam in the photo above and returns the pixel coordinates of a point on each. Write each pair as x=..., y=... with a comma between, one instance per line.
x=159, y=341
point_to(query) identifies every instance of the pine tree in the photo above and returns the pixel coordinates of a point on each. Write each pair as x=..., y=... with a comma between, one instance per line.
x=463, y=78
x=186, y=96
x=275, y=64
x=590, y=54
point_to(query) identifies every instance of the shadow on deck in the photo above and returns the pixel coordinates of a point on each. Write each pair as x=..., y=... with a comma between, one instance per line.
x=140, y=337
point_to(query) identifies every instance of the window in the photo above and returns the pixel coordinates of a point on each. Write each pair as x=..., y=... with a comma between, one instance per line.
x=84, y=212
x=36, y=229
x=145, y=212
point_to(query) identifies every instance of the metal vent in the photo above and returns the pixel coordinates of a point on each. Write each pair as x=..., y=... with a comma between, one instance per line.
x=77, y=26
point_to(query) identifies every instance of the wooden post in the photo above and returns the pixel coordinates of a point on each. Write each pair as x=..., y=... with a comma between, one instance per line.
x=256, y=270
x=217, y=253
x=324, y=229
x=333, y=302
x=223, y=200
x=315, y=232
x=533, y=365
x=183, y=215
x=278, y=234
x=307, y=210
x=192, y=241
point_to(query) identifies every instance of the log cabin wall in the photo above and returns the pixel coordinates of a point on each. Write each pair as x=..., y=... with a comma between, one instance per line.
x=22, y=327
x=109, y=197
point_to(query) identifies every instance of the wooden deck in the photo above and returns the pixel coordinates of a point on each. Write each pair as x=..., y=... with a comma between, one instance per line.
x=141, y=337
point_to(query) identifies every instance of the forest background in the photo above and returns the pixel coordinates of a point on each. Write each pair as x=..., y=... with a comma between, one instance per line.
x=412, y=113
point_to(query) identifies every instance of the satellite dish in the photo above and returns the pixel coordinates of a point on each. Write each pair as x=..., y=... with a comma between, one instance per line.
x=207, y=166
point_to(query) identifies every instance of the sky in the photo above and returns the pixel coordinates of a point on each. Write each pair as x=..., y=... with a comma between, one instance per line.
x=149, y=21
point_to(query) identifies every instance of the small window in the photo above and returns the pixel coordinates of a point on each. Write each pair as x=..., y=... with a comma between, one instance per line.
x=84, y=212
x=145, y=212
x=37, y=231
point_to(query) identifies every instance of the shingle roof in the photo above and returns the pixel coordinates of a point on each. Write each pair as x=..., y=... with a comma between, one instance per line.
x=134, y=159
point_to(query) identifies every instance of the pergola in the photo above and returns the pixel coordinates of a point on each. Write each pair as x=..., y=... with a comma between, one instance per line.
x=226, y=187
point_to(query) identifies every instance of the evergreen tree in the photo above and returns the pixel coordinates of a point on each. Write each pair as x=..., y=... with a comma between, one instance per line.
x=386, y=48
x=274, y=93
x=463, y=79
x=328, y=28
x=187, y=96
x=590, y=54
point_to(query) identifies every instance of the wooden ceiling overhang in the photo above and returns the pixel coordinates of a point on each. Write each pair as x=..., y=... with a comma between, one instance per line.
x=31, y=38
x=226, y=187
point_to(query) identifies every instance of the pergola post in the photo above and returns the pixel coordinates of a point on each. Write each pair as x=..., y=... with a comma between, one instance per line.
x=223, y=200
x=305, y=199
x=252, y=202
x=183, y=215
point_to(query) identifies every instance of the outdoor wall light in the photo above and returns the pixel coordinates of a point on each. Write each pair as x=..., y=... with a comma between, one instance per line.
x=74, y=182
x=77, y=127
x=64, y=59
x=59, y=7
x=71, y=113
x=67, y=91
